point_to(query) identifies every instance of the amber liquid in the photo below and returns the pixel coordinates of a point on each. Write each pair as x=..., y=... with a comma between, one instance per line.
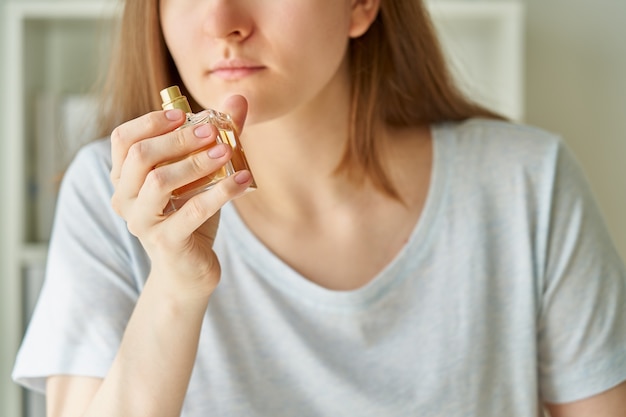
x=237, y=162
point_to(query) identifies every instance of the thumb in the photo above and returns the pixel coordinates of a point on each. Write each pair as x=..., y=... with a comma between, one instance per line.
x=237, y=107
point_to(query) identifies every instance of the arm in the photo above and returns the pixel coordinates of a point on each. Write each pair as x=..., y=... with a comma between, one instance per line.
x=611, y=403
x=582, y=321
x=151, y=371
x=153, y=365
x=69, y=395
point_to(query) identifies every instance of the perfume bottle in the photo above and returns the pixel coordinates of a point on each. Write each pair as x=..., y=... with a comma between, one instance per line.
x=173, y=99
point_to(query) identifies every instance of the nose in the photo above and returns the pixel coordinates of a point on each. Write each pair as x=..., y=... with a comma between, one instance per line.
x=228, y=19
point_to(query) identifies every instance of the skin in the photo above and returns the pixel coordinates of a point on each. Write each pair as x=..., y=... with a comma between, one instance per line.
x=297, y=49
x=611, y=403
x=287, y=58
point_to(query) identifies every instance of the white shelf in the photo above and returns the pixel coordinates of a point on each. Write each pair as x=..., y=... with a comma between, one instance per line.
x=47, y=10
x=484, y=41
x=33, y=253
x=48, y=47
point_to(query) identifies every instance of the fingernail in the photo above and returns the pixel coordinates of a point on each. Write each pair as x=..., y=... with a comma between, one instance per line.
x=173, y=114
x=202, y=131
x=243, y=177
x=217, y=151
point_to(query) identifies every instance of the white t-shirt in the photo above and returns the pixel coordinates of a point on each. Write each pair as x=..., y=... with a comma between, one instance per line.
x=508, y=293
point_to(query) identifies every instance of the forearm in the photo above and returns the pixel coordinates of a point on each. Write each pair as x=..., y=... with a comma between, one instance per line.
x=610, y=403
x=151, y=372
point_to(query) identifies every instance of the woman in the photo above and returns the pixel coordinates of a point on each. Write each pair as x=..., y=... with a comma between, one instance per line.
x=406, y=252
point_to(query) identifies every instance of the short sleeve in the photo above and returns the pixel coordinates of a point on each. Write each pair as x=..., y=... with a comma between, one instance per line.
x=582, y=322
x=89, y=289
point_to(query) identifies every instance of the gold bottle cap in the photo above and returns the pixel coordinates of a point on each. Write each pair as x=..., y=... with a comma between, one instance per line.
x=173, y=99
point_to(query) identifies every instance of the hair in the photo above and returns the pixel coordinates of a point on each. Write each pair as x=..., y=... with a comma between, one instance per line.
x=398, y=70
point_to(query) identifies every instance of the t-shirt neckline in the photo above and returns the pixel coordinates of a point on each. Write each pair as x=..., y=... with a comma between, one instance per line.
x=280, y=275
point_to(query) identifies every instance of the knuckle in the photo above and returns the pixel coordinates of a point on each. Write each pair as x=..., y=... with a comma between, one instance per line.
x=222, y=192
x=151, y=122
x=116, y=136
x=119, y=139
x=199, y=163
x=197, y=209
x=179, y=140
x=135, y=224
x=132, y=229
x=138, y=153
x=116, y=204
x=156, y=178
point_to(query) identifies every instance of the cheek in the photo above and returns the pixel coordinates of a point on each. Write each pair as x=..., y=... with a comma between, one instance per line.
x=177, y=27
x=310, y=37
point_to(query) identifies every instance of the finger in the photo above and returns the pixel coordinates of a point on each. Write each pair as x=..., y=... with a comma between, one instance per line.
x=237, y=107
x=146, y=126
x=203, y=206
x=145, y=155
x=186, y=176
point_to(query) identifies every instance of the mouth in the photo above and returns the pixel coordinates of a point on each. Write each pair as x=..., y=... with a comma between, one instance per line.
x=233, y=70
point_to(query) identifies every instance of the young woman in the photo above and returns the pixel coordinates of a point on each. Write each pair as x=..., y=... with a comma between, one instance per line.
x=406, y=253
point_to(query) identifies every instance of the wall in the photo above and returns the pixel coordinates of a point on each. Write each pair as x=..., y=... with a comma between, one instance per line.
x=5, y=367
x=576, y=86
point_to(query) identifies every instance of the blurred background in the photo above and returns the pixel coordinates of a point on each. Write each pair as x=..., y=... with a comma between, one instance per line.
x=563, y=70
x=576, y=86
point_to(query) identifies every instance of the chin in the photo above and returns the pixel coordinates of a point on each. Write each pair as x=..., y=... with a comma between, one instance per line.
x=264, y=111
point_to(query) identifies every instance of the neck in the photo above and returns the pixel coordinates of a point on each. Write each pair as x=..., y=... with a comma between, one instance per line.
x=294, y=157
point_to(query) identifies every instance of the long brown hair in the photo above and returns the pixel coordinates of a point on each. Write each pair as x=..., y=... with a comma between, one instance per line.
x=398, y=71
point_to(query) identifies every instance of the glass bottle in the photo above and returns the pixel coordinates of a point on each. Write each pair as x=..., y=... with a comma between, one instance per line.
x=173, y=99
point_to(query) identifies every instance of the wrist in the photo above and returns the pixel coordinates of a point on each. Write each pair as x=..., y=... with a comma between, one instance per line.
x=182, y=290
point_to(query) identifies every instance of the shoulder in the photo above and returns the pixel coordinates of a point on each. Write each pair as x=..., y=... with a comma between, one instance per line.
x=90, y=167
x=96, y=154
x=506, y=139
x=501, y=168
x=86, y=188
x=496, y=150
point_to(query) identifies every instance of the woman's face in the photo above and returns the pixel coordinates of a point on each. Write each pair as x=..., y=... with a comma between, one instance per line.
x=282, y=55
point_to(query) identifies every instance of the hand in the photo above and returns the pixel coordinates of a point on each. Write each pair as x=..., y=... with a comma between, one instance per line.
x=179, y=244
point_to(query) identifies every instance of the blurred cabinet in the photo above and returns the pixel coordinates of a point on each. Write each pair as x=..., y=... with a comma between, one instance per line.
x=484, y=44
x=53, y=53
x=54, y=50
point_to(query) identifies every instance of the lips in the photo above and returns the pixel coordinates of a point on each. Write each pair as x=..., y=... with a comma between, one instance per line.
x=235, y=69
